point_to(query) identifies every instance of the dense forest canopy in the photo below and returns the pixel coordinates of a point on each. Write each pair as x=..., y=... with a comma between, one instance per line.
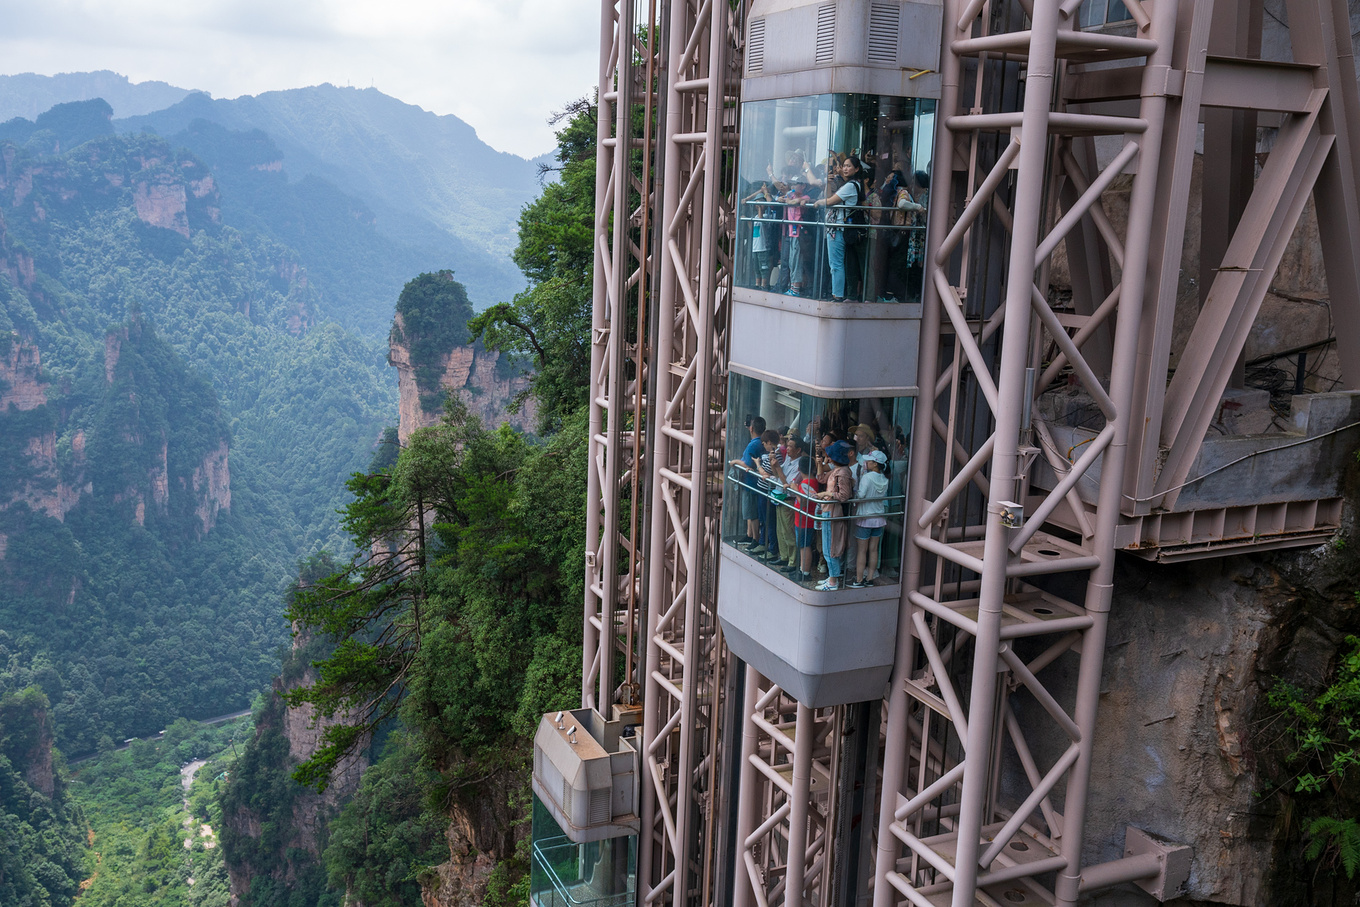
x=195, y=416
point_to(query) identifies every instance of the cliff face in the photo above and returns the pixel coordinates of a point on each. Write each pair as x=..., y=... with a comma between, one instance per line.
x=281, y=838
x=1296, y=310
x=481, y=833
x=36, y=477
x=37, y=761
x=479, y=377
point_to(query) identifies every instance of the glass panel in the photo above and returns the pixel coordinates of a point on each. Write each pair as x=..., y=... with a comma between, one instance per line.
x=782, y=501
x=813, y=225
x=565, y=874
x=1097, y=13
x=1092, y=13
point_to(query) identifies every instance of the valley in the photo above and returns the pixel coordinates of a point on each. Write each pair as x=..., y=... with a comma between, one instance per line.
x=223, y=328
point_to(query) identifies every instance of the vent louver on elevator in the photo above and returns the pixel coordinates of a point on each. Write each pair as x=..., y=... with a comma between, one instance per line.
x=884, y=20
x=755, y=46
x=599, y=807
x=826, y=33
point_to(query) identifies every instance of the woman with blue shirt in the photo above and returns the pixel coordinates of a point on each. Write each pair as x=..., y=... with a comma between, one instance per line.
x=845, y=197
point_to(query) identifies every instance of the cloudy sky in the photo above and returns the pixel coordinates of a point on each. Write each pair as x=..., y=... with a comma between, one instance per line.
x=501, y=65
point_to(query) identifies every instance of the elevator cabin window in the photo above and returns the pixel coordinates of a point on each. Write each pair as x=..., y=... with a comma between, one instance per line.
x=563, y=873
x=1097, y=13
x=768, y=514
x=792, y=153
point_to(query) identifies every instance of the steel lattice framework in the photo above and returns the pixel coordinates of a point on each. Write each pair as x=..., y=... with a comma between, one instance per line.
x=626, y=123
x=1026, y=96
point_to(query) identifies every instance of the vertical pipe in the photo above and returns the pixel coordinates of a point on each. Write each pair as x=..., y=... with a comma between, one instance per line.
x=1100, y=587
x=1032, y=164
x=897, y=733
x=749, y=796
x=660, y=561
x=700, y=415
x=599, y=293
x=798, y=813
x=607, y=559
x=635, y=506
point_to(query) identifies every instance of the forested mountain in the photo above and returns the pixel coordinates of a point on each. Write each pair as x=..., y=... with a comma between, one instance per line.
x=422, y=190
x=432, y=186
x=177, y=417
x=193, y=345
x=454, y=626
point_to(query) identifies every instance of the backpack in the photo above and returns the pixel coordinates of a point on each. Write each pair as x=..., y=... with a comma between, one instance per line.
x=854, y=225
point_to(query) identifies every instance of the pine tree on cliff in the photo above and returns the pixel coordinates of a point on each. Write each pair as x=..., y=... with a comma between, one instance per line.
x=471, y=631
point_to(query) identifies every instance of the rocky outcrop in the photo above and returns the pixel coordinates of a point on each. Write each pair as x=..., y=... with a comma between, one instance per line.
x=166, y=189
x=304, y=728
x=37, y=479
x=162, y=203
x=211, y=483
x=38, y=771
x=479, y=377
x=21, y=383
x=482, y=832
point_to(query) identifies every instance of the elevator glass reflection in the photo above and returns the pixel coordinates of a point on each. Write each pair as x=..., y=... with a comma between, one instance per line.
x=833, y=194
x=814, y=485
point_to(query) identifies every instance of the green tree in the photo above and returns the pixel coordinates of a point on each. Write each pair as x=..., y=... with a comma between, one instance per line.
x=432, y=317
x=387, y=835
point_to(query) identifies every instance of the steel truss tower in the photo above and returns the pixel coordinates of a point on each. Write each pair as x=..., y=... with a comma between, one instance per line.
x=968, y=783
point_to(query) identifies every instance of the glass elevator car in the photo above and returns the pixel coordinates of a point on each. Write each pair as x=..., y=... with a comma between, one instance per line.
x=585, y=822
x=834, y=172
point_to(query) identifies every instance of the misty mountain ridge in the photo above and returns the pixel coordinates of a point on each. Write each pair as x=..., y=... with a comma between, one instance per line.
x=29, y=94
x=425, y=185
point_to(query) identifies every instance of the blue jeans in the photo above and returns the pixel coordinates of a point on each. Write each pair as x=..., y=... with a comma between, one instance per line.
x=833, y=564
x=835, y=259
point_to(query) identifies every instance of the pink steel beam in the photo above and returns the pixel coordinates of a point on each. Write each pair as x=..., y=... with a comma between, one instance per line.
x=617, y=411
x=684, y=659
x=1001, y=458
x=1316, y=152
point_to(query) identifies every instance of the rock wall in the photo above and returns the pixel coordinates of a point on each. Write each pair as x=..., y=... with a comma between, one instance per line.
x=37, y=763
x=481, y=833
x=40, y=483
x=211, y=483
x=475, y=373
x=21, y=383
x=1186, y=744
x=303, y=728
x=1295, y=312
x=295, y=828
